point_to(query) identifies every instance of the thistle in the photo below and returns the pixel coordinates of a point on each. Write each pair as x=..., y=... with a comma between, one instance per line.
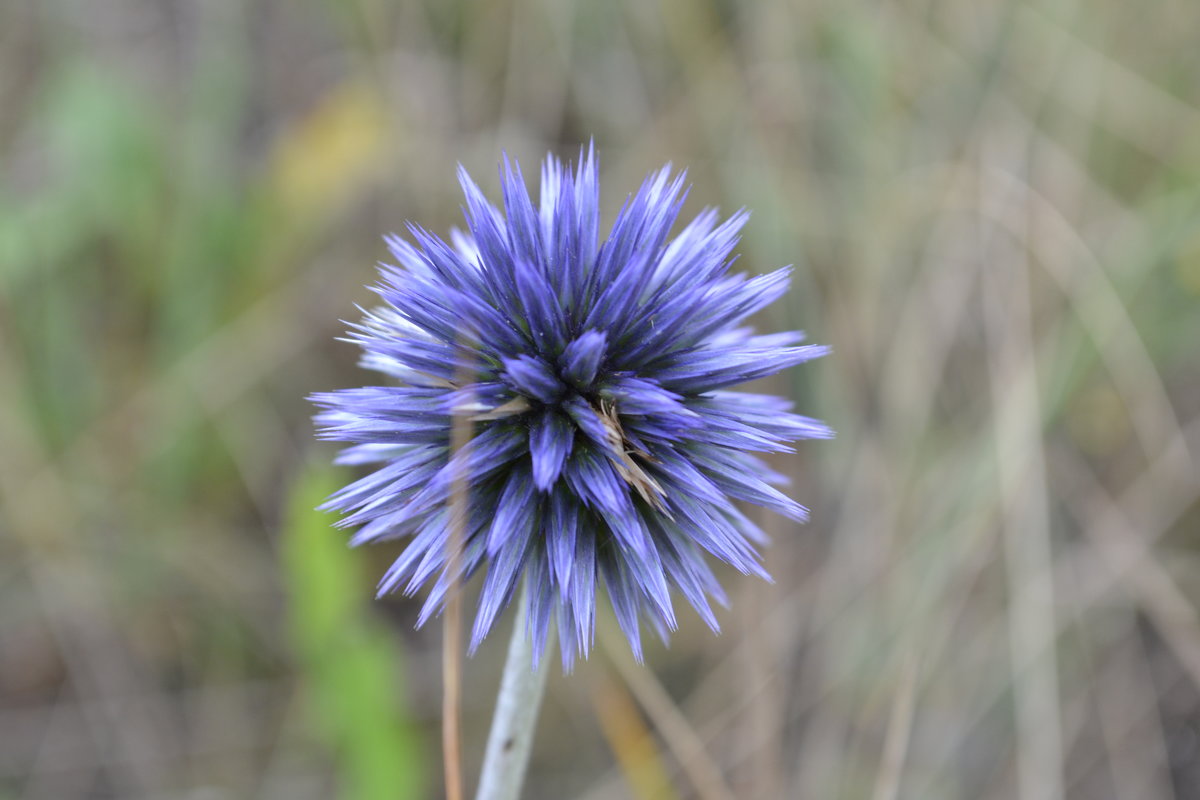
x=605, y=445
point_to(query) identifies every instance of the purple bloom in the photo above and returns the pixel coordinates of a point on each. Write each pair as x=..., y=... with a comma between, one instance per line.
x=604, y=443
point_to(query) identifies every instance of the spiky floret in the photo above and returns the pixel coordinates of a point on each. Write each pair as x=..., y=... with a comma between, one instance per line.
x=604, y=444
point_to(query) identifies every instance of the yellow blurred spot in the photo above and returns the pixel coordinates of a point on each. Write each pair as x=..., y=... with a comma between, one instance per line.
x=1189, y=274
x=636, y=751
x=322, y=159
x=1187, y=265
x=1097, y=420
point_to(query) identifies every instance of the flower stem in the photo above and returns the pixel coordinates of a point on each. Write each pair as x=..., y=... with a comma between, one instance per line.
x=521, y=689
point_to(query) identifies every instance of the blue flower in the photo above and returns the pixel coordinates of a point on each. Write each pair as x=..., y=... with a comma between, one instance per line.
x=593, y=377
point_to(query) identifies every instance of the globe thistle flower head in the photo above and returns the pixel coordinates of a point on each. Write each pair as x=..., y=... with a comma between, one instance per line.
x=605, y=446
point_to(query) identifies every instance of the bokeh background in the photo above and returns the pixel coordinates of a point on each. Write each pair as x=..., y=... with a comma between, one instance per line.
x=994, y=210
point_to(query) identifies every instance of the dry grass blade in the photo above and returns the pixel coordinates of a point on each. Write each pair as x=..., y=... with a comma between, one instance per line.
x=899, y=730
x=1131, y=722
x=631, y=742
x=460, y=436
x=1131, y=559
x=676, y=731
x=1022, y=473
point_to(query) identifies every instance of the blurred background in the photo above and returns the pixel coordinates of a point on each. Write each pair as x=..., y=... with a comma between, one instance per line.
x=994, y=210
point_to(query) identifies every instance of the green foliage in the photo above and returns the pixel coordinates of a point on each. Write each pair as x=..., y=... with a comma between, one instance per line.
x=351, y=666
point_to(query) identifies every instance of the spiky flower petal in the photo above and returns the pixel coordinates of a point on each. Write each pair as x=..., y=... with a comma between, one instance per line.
x=604, y=444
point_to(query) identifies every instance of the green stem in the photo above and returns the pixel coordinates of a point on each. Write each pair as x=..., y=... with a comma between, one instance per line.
x=521, y=689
